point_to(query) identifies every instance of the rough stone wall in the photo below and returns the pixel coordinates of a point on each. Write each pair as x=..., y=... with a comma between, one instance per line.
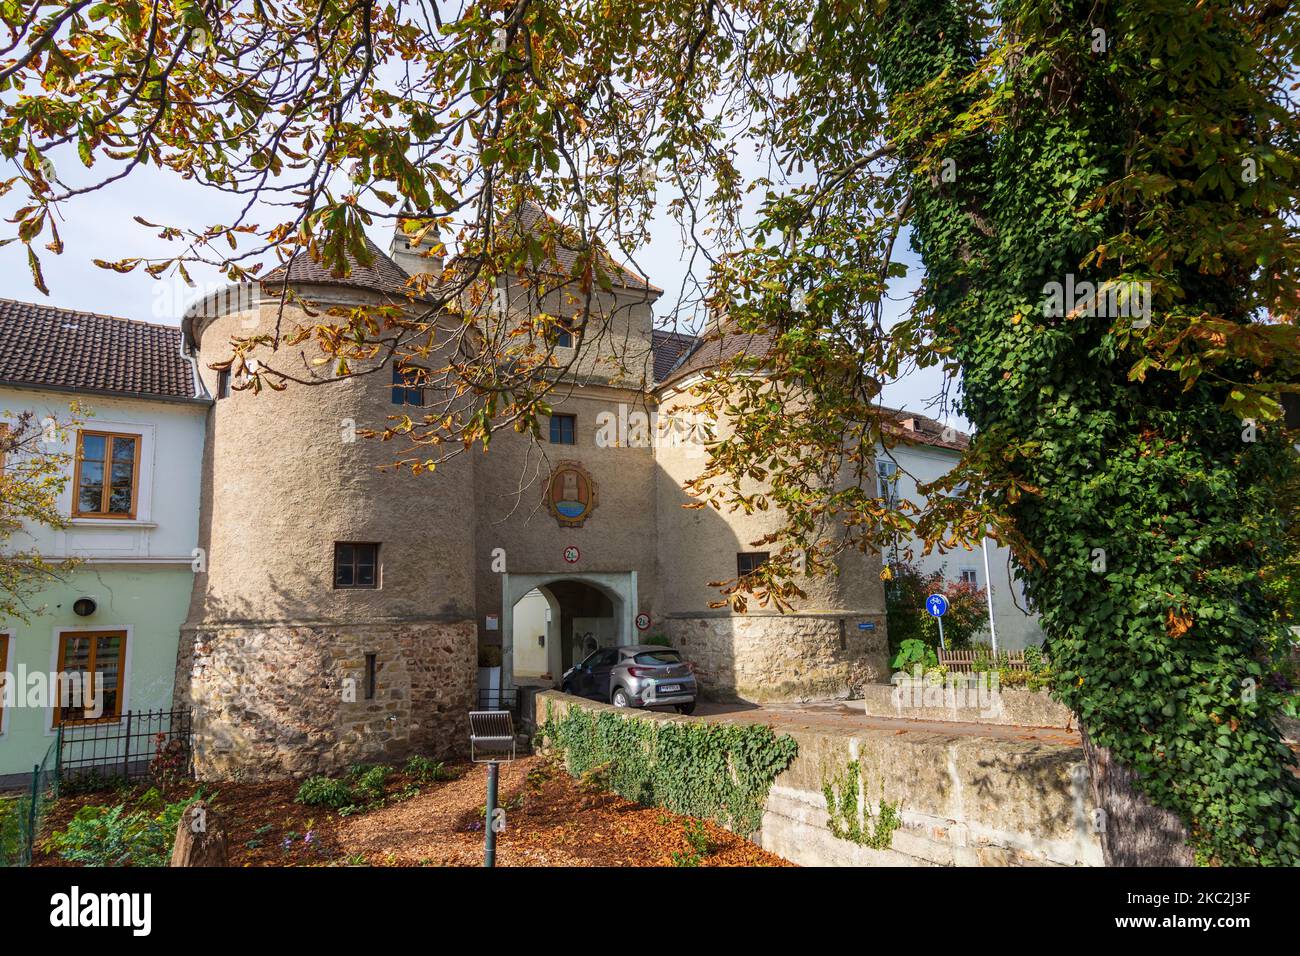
x=273, y=702
x=768, y=657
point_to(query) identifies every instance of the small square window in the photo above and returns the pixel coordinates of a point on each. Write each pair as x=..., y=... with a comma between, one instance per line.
x=970, y=576
x=747, y=562
x=564, y=334
x=406, y=390
x=356, y=565
x=562, y=429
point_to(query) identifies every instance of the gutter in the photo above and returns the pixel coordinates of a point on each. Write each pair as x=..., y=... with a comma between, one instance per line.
x=105, y=392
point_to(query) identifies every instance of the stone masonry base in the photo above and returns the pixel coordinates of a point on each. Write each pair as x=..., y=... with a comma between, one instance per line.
x=286, y=700
x=788, y=657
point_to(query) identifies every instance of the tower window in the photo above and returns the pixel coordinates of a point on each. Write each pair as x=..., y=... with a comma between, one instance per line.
x=747, y=562
x=356, y=564
x=562, y=429
x=223, y=383
x=564, y=334
x=406, y=390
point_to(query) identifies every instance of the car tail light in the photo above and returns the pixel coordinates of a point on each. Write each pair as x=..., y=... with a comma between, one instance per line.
x=640, y=671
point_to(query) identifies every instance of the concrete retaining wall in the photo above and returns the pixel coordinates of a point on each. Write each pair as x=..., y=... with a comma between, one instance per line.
x=963, y=800
x=919, y=700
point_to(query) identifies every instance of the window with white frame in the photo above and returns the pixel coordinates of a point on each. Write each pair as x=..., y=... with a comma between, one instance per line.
x=970, y=576
x=887, y=477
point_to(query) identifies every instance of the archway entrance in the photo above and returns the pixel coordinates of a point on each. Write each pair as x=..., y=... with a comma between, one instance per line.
x=549, y=622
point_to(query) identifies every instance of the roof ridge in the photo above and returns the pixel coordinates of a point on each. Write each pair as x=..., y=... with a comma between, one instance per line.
x=94, y=315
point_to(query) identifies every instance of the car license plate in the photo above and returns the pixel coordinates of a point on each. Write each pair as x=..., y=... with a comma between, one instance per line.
x=669, y=688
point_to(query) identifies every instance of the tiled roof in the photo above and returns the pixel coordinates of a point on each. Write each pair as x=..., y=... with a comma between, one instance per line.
x=48, y=347
x=668, y=348
x=382, y=275
x=717, y=347
x=918, y=429
x=721, y=345
x=566, y=253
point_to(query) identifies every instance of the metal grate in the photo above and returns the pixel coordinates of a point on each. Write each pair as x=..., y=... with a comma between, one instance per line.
x=491, y=735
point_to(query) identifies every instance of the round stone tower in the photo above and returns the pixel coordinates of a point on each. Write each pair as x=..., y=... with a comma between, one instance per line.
x=332, y=619
x=831, y=644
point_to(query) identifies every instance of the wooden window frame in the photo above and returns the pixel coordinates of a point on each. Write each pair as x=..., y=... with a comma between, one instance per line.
x=556, y=420
x=354, y=586
x=106, y=718
x=107, y=488
x=767, y=556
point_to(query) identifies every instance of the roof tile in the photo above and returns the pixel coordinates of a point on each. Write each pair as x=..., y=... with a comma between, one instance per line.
x=55, y=348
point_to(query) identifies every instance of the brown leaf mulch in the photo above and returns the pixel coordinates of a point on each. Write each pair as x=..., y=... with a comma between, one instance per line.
x=550, y=821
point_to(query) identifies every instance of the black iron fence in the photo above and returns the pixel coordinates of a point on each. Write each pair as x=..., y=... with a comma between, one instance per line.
x=154, y=744
x=499, y=698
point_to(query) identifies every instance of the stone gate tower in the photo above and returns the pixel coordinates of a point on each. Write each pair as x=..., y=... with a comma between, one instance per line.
x=292, y=665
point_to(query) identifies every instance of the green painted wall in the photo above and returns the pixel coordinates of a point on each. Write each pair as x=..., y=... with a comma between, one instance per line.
x=151, y=601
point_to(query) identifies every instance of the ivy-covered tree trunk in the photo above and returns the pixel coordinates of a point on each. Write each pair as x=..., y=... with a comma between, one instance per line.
x=1147, y=503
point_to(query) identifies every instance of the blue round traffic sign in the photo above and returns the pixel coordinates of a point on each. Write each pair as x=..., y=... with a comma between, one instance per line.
x=937, y=605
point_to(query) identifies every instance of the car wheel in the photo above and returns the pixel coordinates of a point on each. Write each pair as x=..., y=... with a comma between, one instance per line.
x=686, y=708
x=619, y=698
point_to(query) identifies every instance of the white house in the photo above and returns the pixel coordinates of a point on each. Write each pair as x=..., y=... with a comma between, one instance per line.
x=925, y=451
x=132, y=504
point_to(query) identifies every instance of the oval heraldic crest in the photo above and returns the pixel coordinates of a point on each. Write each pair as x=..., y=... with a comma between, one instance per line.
x=570, y=494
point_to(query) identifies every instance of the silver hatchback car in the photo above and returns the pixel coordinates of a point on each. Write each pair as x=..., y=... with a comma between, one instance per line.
x=640, y=675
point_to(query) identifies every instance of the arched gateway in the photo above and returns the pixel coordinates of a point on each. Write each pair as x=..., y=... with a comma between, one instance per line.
x=342, y=606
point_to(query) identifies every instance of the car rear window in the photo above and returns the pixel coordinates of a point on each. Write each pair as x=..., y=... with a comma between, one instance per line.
x=658, y=657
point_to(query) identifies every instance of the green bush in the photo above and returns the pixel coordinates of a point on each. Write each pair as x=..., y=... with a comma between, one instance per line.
x=324, y=792
x=361, y=788
x=369, y=783
x=116, y=836
x=426, y=770
x=913, y=652
x=721, y=772
x=658, y=640
x=12, y=842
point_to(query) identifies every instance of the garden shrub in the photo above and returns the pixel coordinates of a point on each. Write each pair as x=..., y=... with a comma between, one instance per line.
x=325, y=792
x=101, y=835
x=426, y=770
x=719, y=772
